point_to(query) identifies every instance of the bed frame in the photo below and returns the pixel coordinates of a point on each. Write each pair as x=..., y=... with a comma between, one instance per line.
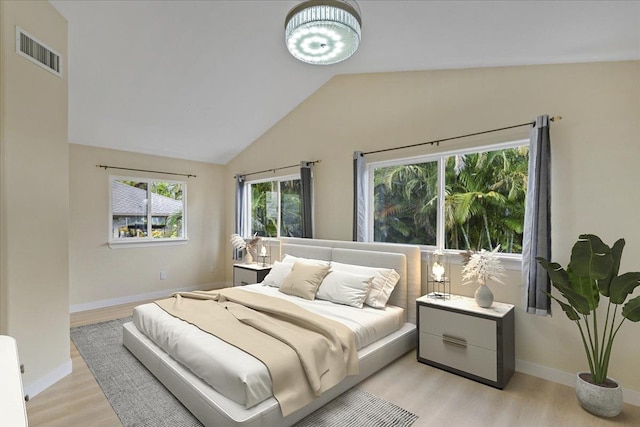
x=214, y=409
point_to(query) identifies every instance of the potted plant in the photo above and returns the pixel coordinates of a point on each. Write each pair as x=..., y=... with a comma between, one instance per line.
x=592, y=273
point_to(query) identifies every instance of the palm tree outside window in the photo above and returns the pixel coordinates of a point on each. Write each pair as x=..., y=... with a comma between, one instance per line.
x=483, y=192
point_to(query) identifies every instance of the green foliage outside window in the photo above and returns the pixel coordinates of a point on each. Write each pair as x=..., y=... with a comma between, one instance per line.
x=484, y=201
x=267, y=216
x=406, y=203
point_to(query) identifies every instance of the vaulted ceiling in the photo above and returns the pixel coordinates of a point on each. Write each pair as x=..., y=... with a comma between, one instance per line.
x=201, y=80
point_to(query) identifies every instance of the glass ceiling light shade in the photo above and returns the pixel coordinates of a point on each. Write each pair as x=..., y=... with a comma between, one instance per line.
x=323, y=31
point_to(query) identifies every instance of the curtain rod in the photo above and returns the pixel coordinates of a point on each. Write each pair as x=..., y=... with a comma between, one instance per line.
x=188, y=175
x=438, y=141
x=277, y=169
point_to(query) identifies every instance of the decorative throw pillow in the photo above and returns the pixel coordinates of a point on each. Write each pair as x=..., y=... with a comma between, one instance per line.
x=345, y=288
x=277, y=274
x=384, y=280
x=303, y=280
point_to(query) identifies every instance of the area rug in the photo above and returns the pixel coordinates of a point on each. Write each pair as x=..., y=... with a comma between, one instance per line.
x=139, y=399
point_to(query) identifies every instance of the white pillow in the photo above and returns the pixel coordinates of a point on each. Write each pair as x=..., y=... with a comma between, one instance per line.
x=345, y=288
x=290, y=259
x=384, y=280
x=277, y=274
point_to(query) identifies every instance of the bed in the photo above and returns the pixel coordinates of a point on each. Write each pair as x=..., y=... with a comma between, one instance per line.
x=214, y=408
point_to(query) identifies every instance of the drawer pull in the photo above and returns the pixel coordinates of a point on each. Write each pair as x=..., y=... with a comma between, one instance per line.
x=22, y=368
x=458, y=342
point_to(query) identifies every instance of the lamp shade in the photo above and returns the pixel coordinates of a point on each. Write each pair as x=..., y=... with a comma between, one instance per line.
x=323, y=31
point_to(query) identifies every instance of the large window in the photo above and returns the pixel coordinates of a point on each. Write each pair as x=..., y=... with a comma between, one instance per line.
x=147, y=210
x=483, y=193
x=274, y=207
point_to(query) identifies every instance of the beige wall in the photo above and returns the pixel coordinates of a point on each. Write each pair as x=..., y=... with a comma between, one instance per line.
x=594, y=148
x=101, y=274
x=34, y=196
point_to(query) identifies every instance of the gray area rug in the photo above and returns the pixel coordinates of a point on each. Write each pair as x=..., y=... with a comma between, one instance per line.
x=139, y=399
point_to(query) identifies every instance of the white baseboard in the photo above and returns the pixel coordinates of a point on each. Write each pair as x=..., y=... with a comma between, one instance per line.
x=48, y=380
x=630, y=396
x=140, y=297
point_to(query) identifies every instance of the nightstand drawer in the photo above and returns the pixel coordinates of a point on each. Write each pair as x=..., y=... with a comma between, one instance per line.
x=474, y=330
x=457, y=355
x=248, y=274
x=244, y=277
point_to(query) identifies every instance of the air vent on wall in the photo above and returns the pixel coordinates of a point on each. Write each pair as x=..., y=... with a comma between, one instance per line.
x=37, y=52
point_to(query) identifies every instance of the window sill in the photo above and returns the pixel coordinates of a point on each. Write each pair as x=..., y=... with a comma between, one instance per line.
x=508, y=261
x=139, y=243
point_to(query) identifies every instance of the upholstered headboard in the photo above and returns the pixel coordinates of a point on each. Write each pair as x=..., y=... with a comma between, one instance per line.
x=405, y=259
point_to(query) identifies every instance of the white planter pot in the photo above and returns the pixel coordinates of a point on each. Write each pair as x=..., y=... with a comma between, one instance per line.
x=601, y=401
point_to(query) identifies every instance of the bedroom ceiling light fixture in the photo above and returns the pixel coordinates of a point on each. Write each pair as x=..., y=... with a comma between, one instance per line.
x=323, y=32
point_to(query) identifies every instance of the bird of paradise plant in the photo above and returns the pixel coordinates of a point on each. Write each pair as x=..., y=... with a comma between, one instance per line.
x=591, y=273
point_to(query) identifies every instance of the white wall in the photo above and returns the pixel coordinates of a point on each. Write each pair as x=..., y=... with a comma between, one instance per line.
x=594, y=149
x=34, y=196
x=100, y=275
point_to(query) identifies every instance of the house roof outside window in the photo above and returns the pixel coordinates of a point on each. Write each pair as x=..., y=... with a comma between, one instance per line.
x=132, y=201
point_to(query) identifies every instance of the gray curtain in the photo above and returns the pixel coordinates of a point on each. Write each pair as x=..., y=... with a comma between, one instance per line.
x=359, y=197
x=240, y=217
x=537, y=220
x=306, y=186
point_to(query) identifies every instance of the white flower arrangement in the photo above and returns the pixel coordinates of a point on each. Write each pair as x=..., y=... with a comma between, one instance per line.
x=483, y=266
x=238, y=242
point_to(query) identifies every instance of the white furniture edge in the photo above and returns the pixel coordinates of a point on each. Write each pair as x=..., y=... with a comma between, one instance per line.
x=213, y=409
x=12, y=405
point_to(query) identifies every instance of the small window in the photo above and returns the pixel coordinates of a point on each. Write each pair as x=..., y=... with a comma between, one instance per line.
x=483, y=193
x=147, y=210
x=275, y=207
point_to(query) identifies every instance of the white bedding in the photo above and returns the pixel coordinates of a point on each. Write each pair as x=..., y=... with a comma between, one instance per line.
x=236, y=374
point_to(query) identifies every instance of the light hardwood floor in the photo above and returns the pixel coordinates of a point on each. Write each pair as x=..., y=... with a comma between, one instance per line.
x=439, y=398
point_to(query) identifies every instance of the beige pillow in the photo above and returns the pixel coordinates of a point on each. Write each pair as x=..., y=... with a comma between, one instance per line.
x=303, y=280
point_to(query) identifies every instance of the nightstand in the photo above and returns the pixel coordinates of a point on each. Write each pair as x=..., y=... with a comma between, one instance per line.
x=246, y=274
x=458, y=336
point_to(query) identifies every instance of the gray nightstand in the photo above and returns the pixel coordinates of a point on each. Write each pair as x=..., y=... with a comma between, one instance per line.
x=247, y=274
x=458, y=336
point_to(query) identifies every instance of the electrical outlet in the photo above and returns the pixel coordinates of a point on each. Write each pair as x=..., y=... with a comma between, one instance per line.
x=163, y=275
x=212, y=269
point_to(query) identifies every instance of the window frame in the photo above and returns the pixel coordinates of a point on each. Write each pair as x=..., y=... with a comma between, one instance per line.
x=438, y=157
x=129, y=242
x=247, y=201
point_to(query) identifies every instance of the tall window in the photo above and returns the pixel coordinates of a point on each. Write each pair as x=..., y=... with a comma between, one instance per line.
x=275, y=207
x=483, y=192
x=147, y=210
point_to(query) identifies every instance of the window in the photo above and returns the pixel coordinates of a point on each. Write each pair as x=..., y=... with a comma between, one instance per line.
x=274, y=207
x=134, y=219
x=483, y=192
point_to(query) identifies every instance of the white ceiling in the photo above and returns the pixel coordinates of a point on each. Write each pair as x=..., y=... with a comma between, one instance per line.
x=201, y=80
